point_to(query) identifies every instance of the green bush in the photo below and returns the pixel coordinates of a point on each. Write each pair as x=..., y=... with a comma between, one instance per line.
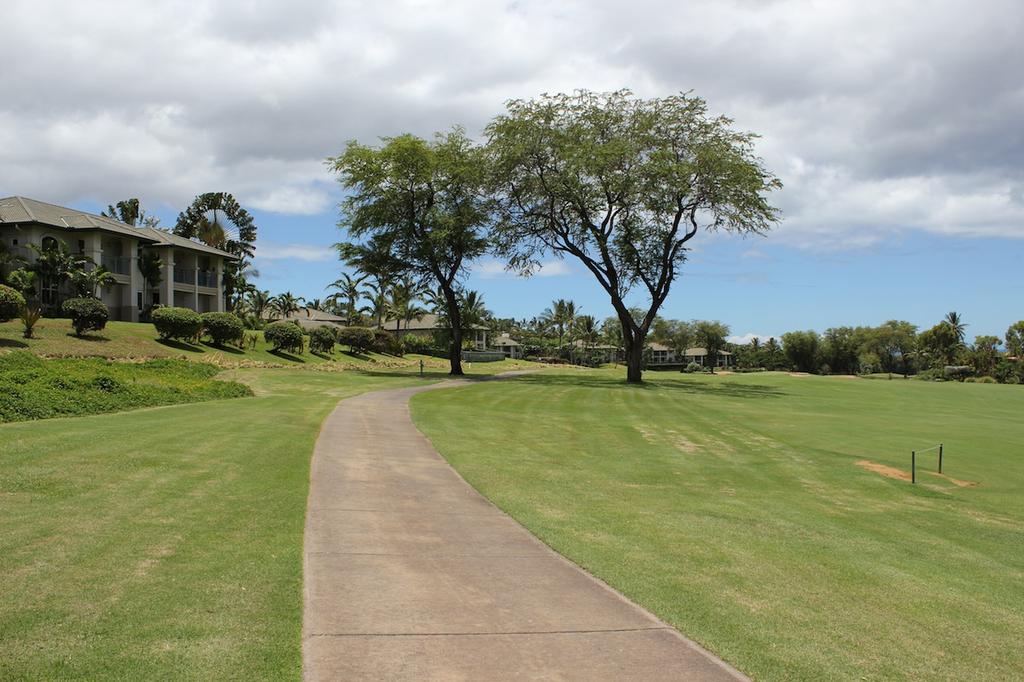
x=358, y=339
x=322, y=340
x=177, y=323
x=33, y=388
x=285, y=336
x=385, y=342
x=11, y=303
x=87, y=314
x=693, y=367
x=223, y=328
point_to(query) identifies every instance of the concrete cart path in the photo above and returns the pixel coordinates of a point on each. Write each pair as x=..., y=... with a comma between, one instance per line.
x=410, y=574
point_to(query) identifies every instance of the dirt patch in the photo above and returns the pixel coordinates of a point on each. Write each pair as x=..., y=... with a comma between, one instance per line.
x=845, y=376
x=887, y=471
x=955, y=481
x=798, y=374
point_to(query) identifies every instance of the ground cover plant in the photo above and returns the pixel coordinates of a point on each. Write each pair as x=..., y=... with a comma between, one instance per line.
x=768, y=516
x=34, y=388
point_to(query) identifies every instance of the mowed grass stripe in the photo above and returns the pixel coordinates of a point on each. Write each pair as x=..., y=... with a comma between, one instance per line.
x=733, y=507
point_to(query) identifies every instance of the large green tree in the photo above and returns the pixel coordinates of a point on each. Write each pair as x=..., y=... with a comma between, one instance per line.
x=803, y=349
x=622, y=184
x=423, y=202
x=1015, y=340
x=711, y=335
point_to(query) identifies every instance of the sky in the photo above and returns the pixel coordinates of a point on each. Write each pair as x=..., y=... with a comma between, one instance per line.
x=896, y=127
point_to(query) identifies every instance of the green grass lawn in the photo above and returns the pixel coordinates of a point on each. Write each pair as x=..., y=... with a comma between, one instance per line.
x=734, y=508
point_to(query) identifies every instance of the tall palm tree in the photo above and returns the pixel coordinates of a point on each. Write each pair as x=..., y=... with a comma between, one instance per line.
x=348, y=295
x=404, y=301
x=560, y=316
x=954, y=320
x=151, y=268
x=287, y=303
x=259, y=302
x=315, y=304
x=375, y=261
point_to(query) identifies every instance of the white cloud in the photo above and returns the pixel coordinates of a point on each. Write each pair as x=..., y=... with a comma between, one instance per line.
x=269, y=251
x=874, y=126
x=744, y=339
x=495, y=269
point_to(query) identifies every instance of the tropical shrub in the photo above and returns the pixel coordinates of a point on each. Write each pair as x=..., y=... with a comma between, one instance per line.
x=11, y=303
x=693, y=367
x=385, y=342
x=87, y=314
x=358, y=339
x=285, y=336
x=29, y=318
x=177, y=323
x=223, y=328
x=957, y=372
x=321, y=340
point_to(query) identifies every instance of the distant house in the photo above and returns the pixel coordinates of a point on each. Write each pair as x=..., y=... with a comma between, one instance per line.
x=429, y=326
x=311, y=318
x=507, y=345
x=192, y=277
x=663, y=355
x=605, y=352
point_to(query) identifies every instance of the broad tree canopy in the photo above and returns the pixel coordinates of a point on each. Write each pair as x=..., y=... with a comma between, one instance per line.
x=622, y=184
x=422, y=202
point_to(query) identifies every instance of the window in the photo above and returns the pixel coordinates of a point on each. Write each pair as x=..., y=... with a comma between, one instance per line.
x=49, y=243
x=81, y=246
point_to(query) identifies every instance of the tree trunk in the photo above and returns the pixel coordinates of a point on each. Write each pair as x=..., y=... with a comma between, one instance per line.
x=455, y=320
x=634, y=362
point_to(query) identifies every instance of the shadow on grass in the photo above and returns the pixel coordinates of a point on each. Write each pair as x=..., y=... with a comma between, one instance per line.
x=286, y=356
x=180, y=345
x=88, y=337
x=225, y=349
x=12, y=343
x=357, y=356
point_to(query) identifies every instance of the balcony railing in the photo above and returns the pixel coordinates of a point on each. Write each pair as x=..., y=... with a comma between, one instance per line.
x=185, y=275
x=121, y=265
x=207, y=278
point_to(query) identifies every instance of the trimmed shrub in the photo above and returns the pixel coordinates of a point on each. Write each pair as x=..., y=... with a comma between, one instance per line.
x=177, y=323
x=321, y=340
x=223, y=328
x=385, y=342
x=87, y=314
x=285, y=336
x=11, y=303
x=693, y=367
x=358, y=339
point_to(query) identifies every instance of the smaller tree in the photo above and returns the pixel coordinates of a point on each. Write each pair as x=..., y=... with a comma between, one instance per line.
x=284, y=336
x=88, y=281
x=222, y=328
x=711, y=335
x=984, y=354
x=322, y=339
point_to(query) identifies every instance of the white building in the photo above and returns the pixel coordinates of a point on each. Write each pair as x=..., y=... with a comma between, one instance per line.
x=192, y=273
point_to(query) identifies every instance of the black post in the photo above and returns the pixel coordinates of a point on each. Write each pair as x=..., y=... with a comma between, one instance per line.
x=940, y=458
x=913, y=466
x=421, y=368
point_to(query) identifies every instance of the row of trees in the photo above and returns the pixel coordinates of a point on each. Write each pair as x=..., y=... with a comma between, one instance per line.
x=622, y=184
x=894, y=347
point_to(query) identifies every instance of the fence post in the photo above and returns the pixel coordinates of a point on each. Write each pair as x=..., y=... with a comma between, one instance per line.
x=940, y=458
x=913, y=466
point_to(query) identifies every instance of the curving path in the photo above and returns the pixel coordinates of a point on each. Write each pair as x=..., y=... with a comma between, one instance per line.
x=411, y=574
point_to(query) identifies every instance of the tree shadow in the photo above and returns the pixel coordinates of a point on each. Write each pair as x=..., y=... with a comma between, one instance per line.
x=322, y=356
x=225, y=349
x=287, y=356
x=12, y=343
x=180, y=345
x=729, y=389
x=88, y=337
x=357, y=356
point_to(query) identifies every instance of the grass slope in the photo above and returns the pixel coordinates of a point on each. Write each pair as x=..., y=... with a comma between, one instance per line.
x=166, y=543
x=734, y=508
x=34, y=388
x=135, y=340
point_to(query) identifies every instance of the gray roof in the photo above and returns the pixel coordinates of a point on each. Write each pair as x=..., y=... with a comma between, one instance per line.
x=315, y=315
x=25, y=210
x=429, y=322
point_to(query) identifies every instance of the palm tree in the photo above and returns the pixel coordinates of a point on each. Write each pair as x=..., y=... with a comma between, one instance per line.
x=376, y=262
x=287, y=303
x=560, y=316
x=348, y=296
x=954, y=320
x=404, y=296
x=88, y=281
x=259, y=302
x=151, y=267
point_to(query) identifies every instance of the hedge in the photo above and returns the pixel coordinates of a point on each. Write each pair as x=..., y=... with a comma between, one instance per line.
x=223, y=328
x=87, y=314
x=286, y=336
x=322, y=340
x=358, y=339
x=177, y=323
x=11, y=303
